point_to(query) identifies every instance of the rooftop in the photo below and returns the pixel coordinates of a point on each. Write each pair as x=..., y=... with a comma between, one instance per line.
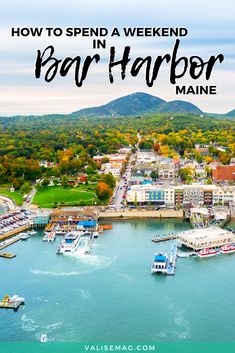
x=209, y=237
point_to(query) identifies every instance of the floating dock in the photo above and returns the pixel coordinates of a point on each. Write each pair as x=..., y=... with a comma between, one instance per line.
x=7, y=255
x=172, y=259
x=167, y=237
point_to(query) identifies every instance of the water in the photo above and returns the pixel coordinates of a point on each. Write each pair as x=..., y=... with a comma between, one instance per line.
x=110, y=295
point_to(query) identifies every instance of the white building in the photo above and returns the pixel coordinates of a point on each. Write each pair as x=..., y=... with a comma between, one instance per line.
x=144, y=157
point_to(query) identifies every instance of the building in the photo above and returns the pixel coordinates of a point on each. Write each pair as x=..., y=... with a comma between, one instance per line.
x=224, y=195
x=166, y=172
x=202, y=238
x=224, y=173
x=145, y=157
x=113, y=168
x=180, y=196
x=193, y=195
x=146, y=194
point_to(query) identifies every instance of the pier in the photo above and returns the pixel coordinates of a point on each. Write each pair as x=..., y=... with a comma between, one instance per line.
x=162, y=238
x=172, y=259
x=9, y=242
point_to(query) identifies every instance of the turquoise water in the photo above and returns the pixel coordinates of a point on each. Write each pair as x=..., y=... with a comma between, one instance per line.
x=111, y=295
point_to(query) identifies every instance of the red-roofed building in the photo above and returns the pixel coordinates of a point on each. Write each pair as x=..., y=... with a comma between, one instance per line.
x=224, y=172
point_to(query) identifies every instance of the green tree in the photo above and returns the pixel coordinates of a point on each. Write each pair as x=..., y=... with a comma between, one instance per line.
x=25, y=188
x=45, y=182
x=64, y=181
x=109, y=180
x=154, y=174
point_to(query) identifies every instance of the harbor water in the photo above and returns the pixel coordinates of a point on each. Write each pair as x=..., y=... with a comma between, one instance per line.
x=111, y=295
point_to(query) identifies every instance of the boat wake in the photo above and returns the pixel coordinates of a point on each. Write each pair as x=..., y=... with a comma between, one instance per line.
x=29, y=324
x=52, y=273
x=125, y=276
x=92, y=262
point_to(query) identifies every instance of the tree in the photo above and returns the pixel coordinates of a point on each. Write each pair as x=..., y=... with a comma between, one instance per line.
x=103, y=191
x=186, y=174
x=224, y=157
x=25, y=188
x=109, y=180
x=45, y=182
x=64, y=181
x=154, y=174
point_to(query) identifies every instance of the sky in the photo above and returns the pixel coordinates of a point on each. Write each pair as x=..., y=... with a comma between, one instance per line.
x=211, y=30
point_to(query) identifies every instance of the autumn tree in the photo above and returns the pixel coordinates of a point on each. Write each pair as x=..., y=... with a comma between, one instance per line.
x=103, y=191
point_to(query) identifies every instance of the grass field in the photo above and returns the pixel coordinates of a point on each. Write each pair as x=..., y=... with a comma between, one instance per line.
x=15, y=196
x=58, y=196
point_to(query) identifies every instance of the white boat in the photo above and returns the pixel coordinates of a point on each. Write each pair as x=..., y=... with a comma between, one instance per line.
x=17, y=299
x=70, y=243
x=25, y=236
x=43, y=338
x=32, y=232
x=160, y=263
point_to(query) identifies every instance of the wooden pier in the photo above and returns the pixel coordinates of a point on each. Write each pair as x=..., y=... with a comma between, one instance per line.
x=165, y=238
x=15, y=231
x=3, y=246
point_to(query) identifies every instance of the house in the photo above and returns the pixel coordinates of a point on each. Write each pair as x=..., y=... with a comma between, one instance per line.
x=224, y=173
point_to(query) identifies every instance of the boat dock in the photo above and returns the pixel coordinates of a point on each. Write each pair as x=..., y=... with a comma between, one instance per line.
x=6, y=305
x=161, y=238
x=7, y=255
x=9, y=242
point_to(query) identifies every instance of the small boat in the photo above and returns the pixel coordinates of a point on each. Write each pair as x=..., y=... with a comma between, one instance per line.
x=95, y=234
x=43, y=338
x=160, y=263
x=227, y=249
x=25, y=236
x=184, y=254
x=32, y=232
x=208, y=252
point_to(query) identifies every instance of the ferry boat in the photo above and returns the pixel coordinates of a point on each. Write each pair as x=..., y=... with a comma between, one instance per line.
x=227, y=249
x=160, y=263
x=70, y=243
x=208, y=252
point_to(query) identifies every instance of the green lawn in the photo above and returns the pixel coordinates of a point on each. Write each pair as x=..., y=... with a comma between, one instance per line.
x=15, y=196
x=53, y=196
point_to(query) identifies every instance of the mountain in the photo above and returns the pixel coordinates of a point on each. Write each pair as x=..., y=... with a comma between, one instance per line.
x=139, y=104
x=231, y=114
x=133, y=104
x=178, y=106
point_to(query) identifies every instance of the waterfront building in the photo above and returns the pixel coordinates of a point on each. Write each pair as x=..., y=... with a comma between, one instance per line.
x=224, y=195
x=183, y=195
x=202, y=238
x=146, y=194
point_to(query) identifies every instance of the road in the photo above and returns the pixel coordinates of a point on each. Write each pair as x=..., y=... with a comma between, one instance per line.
x=121, y=186
x=30, y=197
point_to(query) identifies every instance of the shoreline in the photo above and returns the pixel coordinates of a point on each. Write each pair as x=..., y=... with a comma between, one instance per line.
x=128, y=214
